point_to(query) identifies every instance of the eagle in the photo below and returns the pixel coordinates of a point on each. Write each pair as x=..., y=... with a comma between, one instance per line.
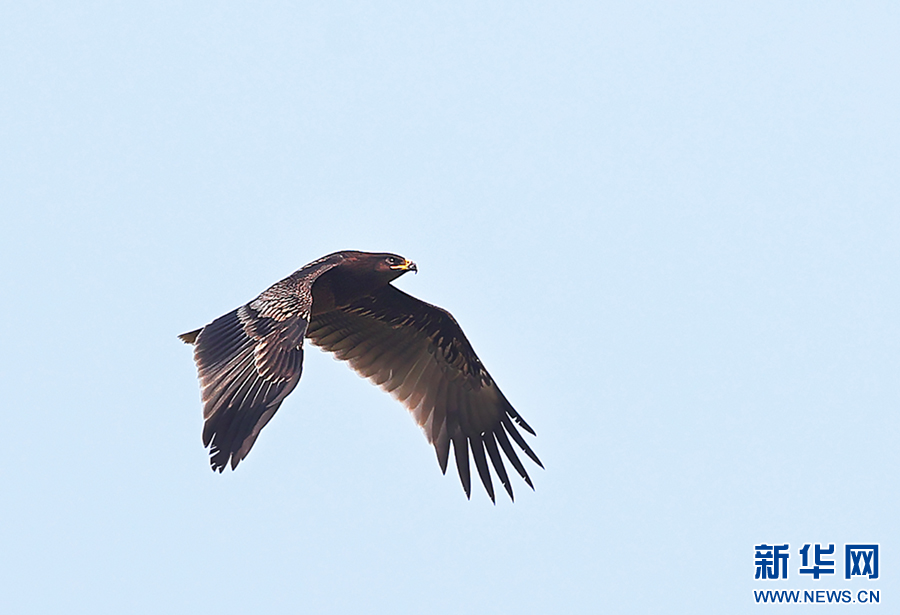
x=250, y=359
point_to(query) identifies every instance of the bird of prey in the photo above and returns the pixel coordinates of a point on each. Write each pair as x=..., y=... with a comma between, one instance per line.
x=250, y=359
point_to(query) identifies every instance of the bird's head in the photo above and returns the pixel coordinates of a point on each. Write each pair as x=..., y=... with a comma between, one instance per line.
x=391, y=266
x=379, y=267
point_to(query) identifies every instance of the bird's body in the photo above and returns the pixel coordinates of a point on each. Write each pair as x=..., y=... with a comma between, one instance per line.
x=250, y=359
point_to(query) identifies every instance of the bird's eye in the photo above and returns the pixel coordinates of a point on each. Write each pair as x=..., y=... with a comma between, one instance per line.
x=393, y=260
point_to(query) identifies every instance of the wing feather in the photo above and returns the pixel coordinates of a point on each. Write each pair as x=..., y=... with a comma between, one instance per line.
x=497, y=461
x=442, y=447
x=481, y=465
x=510, y=452
x=461, y=454
x=418, y=352
x=248, y=361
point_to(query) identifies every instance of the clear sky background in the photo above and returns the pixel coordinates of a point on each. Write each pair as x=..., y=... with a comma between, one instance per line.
x=671, y=233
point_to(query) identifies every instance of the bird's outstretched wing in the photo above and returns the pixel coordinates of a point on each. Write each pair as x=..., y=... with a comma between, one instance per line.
x=418, y=353
x=248, y=361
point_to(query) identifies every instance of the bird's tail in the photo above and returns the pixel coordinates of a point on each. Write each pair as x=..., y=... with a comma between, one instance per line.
x=191, y=336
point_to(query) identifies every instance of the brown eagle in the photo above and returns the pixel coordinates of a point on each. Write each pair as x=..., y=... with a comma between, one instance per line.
x=250, y=359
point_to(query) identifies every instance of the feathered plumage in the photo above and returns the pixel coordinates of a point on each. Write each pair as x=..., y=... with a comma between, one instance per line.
x=250, y=359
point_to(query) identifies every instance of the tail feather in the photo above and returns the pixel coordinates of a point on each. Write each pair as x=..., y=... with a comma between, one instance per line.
x=191, y=336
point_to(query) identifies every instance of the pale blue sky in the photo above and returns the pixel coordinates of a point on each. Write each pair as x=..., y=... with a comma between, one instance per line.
x=671, y=233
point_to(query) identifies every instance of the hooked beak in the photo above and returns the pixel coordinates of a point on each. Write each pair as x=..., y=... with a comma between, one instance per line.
x=407, y=265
